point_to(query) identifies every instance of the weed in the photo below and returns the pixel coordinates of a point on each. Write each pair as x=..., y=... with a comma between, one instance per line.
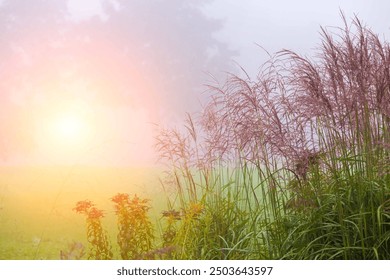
x=96, y=235
x=135, y=237
x=170, y=230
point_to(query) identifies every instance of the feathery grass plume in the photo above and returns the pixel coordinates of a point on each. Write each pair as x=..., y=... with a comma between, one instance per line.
x=338, y=100
x=100, y=248
x=303, y=150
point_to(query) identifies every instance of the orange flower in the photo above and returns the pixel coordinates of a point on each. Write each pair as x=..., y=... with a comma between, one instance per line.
x=83, y=206
x=95, y=213
x=120, y=198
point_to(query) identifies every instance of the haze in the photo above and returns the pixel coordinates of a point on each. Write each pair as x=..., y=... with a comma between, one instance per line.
x=90, y=82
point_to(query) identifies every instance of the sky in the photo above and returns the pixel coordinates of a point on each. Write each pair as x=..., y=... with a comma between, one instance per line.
x=295, y=25
x=91, y=82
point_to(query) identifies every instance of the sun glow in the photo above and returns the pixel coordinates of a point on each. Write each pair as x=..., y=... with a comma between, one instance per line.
x=88, y=132
x=70, y=127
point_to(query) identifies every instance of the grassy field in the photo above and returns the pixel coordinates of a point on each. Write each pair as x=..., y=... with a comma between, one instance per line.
x=36, y=214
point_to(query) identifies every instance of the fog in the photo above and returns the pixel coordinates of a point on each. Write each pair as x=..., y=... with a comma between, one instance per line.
x=127, y=65
x=130, y=66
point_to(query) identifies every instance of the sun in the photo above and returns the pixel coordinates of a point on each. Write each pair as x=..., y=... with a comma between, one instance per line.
x=65, y=133
x=70, y=126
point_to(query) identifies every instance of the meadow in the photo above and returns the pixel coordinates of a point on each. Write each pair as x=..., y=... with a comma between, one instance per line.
x=294, y=164
x=36, y=217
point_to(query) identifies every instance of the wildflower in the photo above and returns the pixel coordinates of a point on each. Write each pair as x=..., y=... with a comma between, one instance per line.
x=95, y=213
x=171, y=214
x=97, y=237
x=195, y=210
x=139, y=204
x=83, y=206
x=120, y=198
x=135, y=229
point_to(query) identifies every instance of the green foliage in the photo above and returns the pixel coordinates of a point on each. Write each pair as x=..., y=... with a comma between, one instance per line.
x=350, y=221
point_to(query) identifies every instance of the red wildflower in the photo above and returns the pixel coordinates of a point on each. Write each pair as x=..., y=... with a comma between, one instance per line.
x=95, y=213
x=120, y=198
x=83, y=206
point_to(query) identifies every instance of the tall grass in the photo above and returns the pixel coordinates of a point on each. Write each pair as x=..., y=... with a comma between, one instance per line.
x=291, y=165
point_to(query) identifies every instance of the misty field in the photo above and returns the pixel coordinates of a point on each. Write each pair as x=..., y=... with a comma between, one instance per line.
x=292, y=165
x=36, y=217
